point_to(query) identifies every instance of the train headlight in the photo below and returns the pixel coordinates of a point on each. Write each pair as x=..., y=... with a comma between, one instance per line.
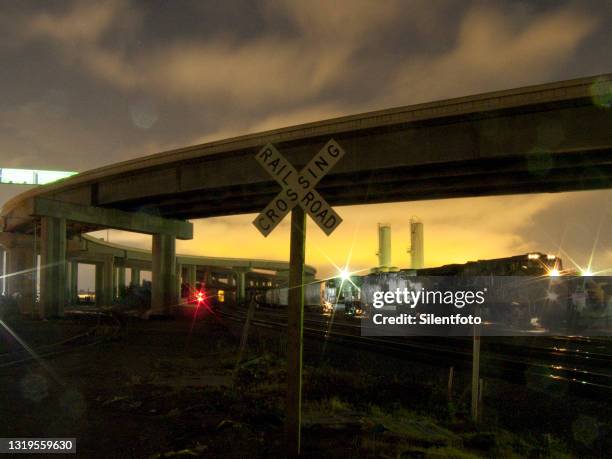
x=554, y=272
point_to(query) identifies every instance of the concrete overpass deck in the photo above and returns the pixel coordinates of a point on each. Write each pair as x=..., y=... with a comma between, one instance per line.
x=91, y=247
x=546, y=138
x=551, y=137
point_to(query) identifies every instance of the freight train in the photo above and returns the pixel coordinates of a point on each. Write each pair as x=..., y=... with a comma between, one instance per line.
x=353, y=295
x=540, y=301
x=314, y=293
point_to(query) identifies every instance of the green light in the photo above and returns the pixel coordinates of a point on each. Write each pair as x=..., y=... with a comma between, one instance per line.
x=31, y=176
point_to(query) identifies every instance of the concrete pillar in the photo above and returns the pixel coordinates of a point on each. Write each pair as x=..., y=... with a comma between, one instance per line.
x=191, y=277
x=115, y=283
x=74, y=282
x=241, y=287
x=163, y=295
x=105, y=281
x=53, y=266
x=179, y=281
x=109, y=281
x=120, y=281
x=99, y=284
x=21, y=276
x=135, y=280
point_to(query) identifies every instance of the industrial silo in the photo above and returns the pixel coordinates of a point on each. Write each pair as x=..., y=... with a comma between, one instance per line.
x=384, y=246
x=417, y=250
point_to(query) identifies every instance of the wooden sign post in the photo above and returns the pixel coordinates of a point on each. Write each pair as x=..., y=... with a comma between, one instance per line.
x=299, y=197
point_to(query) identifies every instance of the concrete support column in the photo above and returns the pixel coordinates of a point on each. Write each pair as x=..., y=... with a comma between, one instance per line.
x=105, y=281
x=191, y=277
x=241, y=287
x=121, y=281
x=115, y=295
x=109, y=281
x=163, y=295
x=179, y=281
x=53, y=266
x=135, y=280
x=99, y=284
x=74, y=282
x=21, y=281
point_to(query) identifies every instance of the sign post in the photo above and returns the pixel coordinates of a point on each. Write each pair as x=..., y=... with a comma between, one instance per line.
x=295, y=326
x=475, y=408
x=299, y=197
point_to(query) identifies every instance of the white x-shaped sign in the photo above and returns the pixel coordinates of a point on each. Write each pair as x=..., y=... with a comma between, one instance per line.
x=298, y=188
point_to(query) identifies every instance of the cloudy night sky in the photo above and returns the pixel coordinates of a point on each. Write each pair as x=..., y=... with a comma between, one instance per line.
x=85, y=84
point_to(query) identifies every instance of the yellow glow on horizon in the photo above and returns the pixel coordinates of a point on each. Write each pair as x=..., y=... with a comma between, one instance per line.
x=456, y=231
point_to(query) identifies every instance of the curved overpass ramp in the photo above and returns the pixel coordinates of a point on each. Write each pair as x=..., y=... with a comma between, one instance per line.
x=547, y=138
x=111, y=261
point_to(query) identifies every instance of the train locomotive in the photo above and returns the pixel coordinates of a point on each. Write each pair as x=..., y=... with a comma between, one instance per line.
x=580, y=298
x=351, y=294
x=355, y=295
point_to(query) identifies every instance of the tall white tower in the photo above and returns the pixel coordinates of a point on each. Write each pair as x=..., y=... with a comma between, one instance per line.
x=384, y=245
x=417, y=250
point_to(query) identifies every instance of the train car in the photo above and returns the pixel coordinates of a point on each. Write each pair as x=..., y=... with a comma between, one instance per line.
x=258, y=284
x=384, y=281
x=529, y=264
x=278, y=297
x=357, y=293
x=354, y=295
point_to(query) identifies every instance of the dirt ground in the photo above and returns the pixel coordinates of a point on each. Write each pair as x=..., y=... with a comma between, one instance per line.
x=172, y=389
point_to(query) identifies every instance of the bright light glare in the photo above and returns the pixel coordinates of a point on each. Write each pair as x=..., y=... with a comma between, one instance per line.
x=345, y=275
x=554, y=272
x=587, y=272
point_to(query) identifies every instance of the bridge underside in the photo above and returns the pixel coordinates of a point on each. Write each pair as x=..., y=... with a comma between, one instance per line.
x=538, y=172
x=548, y=138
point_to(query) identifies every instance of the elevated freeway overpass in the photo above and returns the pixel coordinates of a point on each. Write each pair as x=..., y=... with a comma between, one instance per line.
x=111, y=261
x=546, y=138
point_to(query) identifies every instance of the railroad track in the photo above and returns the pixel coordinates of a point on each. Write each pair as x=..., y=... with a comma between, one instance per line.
x=107, y=327
x=560, y=361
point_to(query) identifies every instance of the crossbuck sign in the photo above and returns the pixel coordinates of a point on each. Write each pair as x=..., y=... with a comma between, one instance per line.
x=298, y=188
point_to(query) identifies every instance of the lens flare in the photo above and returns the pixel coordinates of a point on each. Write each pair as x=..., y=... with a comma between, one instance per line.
x=199, y=298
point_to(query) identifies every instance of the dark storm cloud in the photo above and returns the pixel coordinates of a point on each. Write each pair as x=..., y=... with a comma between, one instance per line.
x=90, y=83
x=578, y=228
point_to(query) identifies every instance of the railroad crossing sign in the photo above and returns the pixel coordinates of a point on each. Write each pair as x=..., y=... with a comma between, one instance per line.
x=298, y=188
x=298, y=195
